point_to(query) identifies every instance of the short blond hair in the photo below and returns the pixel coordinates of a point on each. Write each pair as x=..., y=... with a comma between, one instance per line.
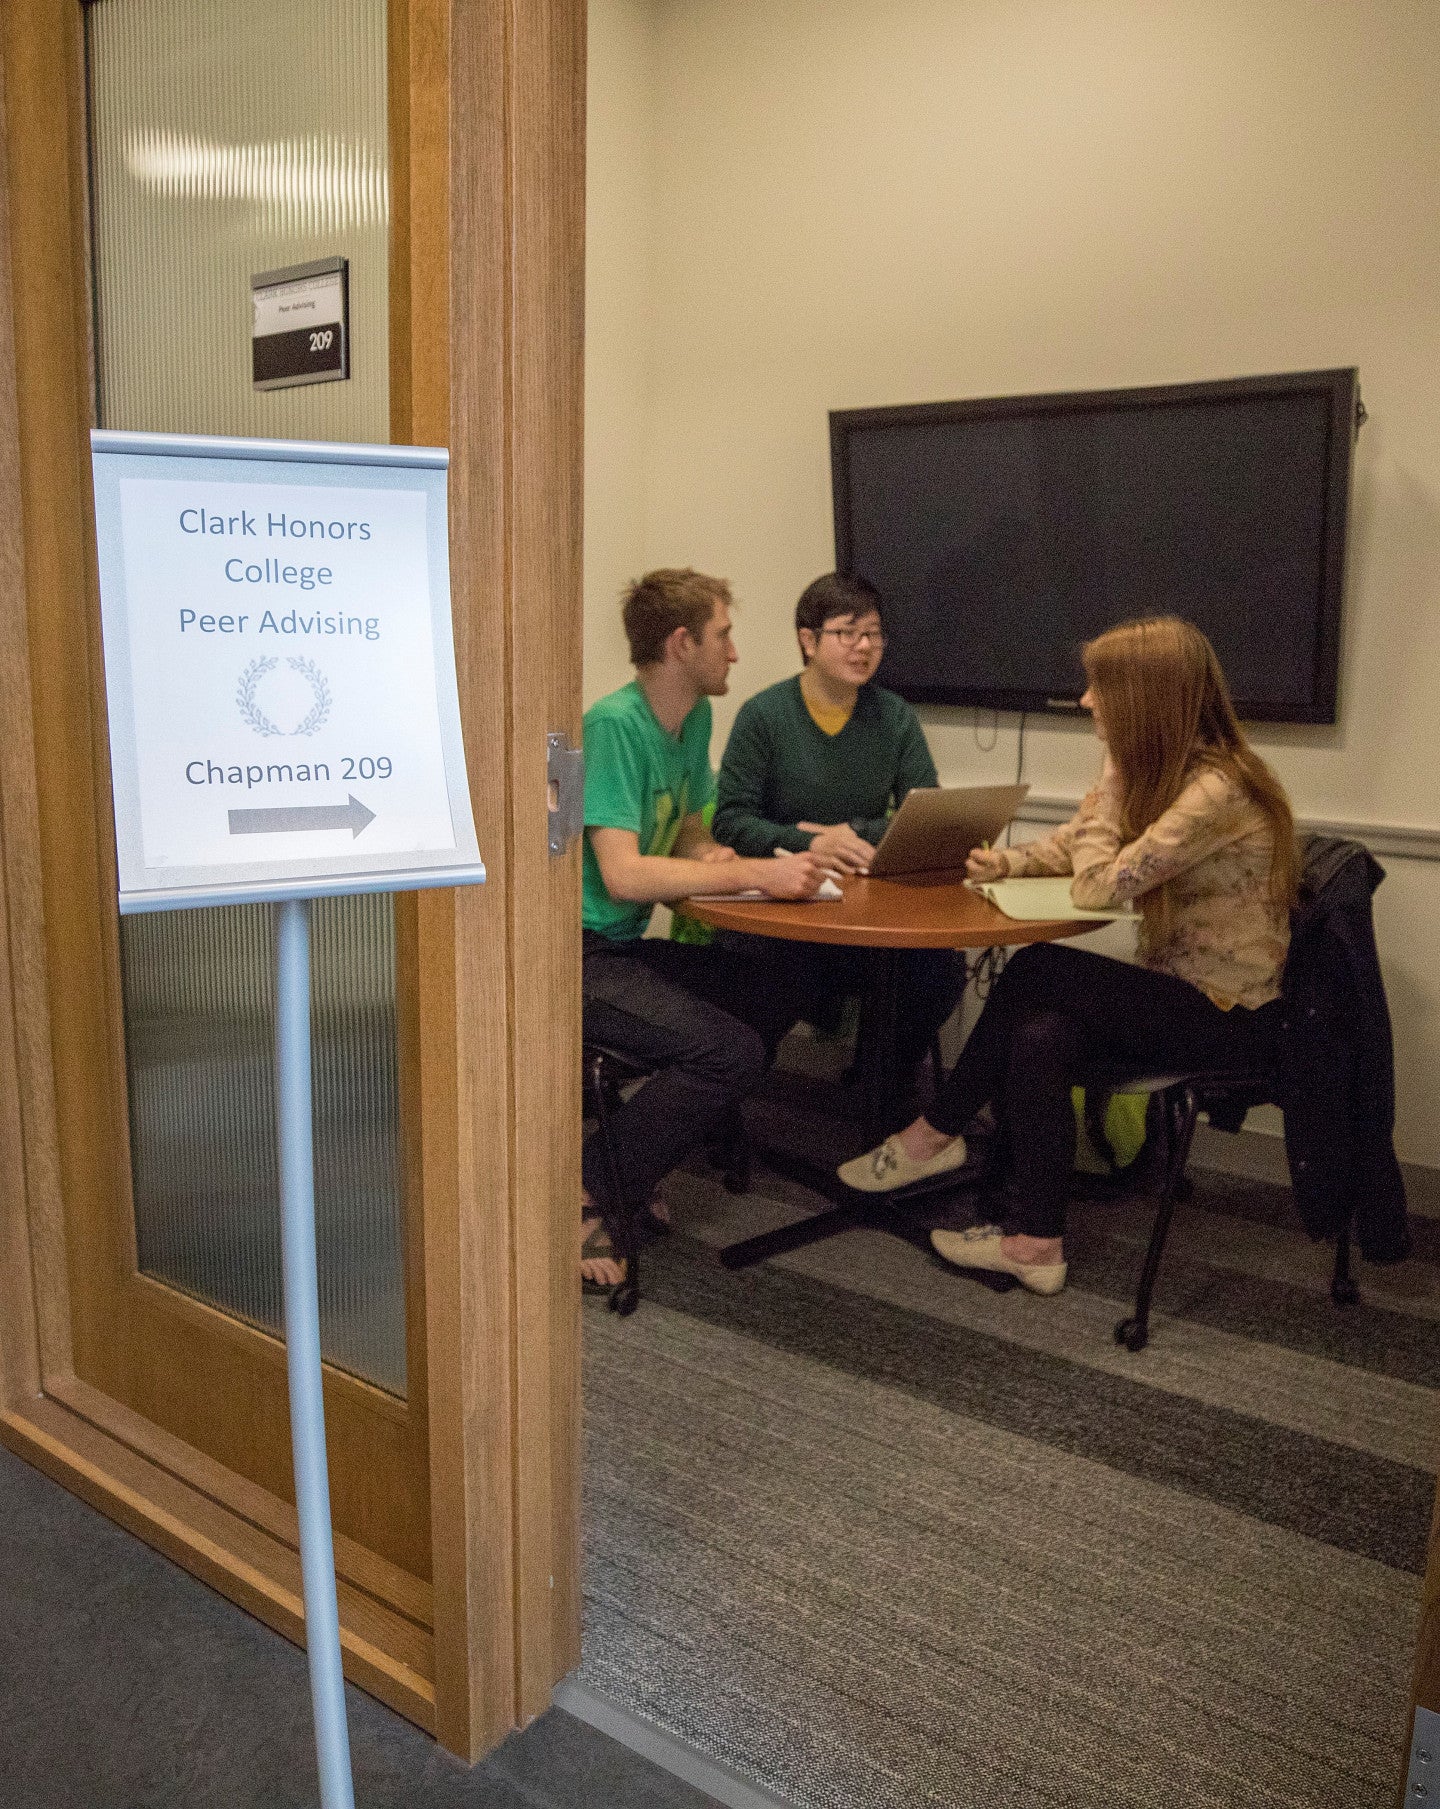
x=656, y=605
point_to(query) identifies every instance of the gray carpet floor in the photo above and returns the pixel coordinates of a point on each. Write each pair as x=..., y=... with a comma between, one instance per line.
x=875, y=1535
x=125, y=1684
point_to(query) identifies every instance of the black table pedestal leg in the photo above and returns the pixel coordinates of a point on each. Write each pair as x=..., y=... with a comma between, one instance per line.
x=878, y=1086
x=877, y=1043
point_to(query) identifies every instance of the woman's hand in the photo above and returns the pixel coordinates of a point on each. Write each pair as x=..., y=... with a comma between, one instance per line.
x=986, y=863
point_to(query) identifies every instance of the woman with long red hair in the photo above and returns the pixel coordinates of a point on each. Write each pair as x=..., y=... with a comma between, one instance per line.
x=1189, y=824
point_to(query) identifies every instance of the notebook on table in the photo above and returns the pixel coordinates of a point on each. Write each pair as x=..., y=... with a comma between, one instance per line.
x=1042, y=900
x=827, y=891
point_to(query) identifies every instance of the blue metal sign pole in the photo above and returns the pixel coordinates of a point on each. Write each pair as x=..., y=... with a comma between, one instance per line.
x=302, y=1350
x=182, y=844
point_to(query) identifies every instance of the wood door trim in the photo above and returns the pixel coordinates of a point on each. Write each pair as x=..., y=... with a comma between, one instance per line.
x=35, y=1323
x=385, y=1653
x=487, y=325
x=387, y=1584
x=449, y=157
x=1425, y=1689
x=160, y=1297
x=547, y=109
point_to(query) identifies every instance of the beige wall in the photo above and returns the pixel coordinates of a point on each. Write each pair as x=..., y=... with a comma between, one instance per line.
x=849, y=202
x=619, y=260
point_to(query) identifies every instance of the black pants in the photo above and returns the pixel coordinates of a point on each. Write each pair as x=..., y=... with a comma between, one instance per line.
x=1053, y=1012
x=705, y=1019
x=928, y=985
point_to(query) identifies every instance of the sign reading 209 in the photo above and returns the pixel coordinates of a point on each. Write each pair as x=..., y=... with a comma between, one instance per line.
x=279, y=668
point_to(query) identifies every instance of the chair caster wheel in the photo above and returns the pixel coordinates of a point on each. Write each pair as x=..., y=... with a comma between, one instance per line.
x=1345, y=1292
x=624, y=1299
x=1133, y=1334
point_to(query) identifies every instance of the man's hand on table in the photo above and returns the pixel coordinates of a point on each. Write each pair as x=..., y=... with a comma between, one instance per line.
x=790, y=875
x=839, y=847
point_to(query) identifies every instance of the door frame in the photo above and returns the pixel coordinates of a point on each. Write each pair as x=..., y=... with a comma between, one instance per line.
x=487, y=314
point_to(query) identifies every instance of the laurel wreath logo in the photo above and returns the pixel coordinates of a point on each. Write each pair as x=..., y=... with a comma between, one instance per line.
x=251, y=712
x=320, y=709
x=245, y=696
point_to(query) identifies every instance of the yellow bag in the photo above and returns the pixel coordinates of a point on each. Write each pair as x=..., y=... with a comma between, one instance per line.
x=1124, y=1127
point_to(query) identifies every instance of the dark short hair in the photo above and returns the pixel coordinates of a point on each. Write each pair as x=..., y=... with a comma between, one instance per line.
x=654, y=606
x=836, y=594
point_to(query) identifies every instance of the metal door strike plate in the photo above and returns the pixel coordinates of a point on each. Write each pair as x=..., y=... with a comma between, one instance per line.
x=565, y=779
x=1422, y=1783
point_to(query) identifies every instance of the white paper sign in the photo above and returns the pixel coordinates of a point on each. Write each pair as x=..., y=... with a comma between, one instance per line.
x=279, y=670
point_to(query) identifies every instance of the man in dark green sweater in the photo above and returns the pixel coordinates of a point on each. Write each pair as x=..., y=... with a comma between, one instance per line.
x=818, y=762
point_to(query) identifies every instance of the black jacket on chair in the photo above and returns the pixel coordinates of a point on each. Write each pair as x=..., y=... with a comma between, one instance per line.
x=1337, y=1067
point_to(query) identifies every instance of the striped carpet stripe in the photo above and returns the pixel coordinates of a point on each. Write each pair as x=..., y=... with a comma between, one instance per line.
x=872, y=1534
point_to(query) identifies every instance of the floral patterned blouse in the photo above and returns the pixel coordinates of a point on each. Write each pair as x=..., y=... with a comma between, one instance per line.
x=1214, y=846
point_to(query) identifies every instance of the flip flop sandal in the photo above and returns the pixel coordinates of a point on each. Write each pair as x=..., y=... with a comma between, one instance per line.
x=598, y=1245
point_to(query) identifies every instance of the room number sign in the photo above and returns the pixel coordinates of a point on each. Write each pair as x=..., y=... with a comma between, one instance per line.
x=301, y=324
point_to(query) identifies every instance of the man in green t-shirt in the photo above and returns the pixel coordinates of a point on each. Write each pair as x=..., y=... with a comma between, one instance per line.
x=704, y=1019
x=818, y=762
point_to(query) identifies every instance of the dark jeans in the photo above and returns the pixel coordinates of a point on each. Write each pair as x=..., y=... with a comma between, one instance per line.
x=1053, y=1012
x=705, y=1019
x=928, y=985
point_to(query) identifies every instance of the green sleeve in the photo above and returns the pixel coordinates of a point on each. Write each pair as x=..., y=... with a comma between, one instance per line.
x=740, y=819
x=614, y=789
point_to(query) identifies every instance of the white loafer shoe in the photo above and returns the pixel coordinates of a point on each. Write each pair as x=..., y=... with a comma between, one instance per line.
x=887, y=1168
x=979, y=1248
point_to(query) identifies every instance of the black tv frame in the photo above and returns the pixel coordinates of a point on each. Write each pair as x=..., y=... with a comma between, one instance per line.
x=1341, y=391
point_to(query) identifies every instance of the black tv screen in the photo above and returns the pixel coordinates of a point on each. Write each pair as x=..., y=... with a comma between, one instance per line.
x=1003, y=534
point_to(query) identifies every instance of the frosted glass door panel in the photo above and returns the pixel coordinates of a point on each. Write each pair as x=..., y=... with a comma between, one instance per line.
x=230, y=138
x=199, y=1036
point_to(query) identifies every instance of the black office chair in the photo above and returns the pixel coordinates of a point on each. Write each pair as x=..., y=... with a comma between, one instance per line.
x=606, y=1072
x=1180, y=1097
x=1178, y=1100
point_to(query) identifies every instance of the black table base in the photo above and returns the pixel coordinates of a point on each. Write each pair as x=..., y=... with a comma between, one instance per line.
x=879, y=1084
x=848, y=1211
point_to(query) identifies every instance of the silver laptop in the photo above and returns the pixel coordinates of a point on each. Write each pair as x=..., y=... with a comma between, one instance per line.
x=935, y=829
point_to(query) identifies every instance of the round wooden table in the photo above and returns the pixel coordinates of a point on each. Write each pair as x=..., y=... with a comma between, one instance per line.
x=882, y=916
x=923, y=910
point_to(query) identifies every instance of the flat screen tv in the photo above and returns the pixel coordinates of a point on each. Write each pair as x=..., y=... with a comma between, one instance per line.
x=1003, y=534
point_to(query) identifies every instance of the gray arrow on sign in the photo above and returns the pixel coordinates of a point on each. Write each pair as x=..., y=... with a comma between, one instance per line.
x=282, y=821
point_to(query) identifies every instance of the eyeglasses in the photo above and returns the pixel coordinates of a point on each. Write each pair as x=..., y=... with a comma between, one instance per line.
x=855, y=637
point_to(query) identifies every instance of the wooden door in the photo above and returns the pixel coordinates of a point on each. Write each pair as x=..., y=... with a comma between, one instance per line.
x=456, y=1508
x=1426, y=1691
x=198, y=1374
